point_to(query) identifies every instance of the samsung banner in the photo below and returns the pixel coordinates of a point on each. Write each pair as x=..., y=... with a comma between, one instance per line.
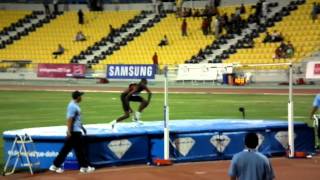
x=313, y=70
x=133, y=71
x=61, y=70
x=203, y=72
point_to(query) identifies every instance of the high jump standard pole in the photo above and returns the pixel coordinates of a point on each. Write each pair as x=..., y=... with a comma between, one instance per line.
x=291, y=149
x=166, y=139
x=290, y=116
x=166, y=116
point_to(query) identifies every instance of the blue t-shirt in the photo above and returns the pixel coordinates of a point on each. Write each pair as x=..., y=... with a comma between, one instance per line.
x=74, y=112
x=251, y=165
x=316, y=101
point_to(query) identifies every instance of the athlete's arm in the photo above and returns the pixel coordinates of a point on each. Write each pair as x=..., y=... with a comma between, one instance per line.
x=70, y=123
x=149, y=93
x=314, y=110
x=131, y=93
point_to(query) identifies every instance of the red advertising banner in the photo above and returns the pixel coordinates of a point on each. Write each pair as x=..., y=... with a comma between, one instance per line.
x=316, y=70
x=61, y=70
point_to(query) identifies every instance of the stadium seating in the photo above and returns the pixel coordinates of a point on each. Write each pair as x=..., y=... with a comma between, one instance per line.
x=297, y=28
x=39, y=46
x=141, y=50
x=8, y=17
x=180, y=48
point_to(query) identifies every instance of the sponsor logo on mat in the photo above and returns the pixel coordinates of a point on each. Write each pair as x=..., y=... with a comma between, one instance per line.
x=120, y=147
x=220, y=142
x=184, y=145
x=282, y=138
x=261, y=139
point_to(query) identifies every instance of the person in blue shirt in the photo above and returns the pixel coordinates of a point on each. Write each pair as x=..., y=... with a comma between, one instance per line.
x=250, y=164
x=316, y=105
x=74, y=139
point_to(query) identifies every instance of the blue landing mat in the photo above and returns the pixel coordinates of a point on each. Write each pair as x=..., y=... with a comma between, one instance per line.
x=191, y=140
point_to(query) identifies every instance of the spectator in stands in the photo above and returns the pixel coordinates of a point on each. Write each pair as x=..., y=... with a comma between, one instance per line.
x=187, y=12
x=265, y=8
x=250, y=164
x=206, y=11
x=155, y=6
x=80, y=36
x=314, y=11
x=205, y=26
x=267, y=38
x=217, y=3
x=201, y=54
x=238, y=11
x=155, y=61
x=196, y=13
x=59, y=51
x=111, y=30
x=209, y=19
x=242, y=9
x=276, y=36
x=216, y=26
x=248, y=43
x=164, y=41
x=184, y=28
x=179, y=4
x=46, y=7
x=279, y=53
x=160, y=6
x=258, y=10
x=80, y=17
x=224, y=22
x=283, y=46
x=290, y=50
x=55, y=6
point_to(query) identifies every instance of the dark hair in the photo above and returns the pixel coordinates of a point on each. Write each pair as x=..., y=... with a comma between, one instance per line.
x=143, y=80
x=251, y=140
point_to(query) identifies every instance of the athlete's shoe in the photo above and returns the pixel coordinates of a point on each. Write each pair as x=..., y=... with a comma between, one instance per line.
x=56, y=169
x=87, y=169
x=113, y=124
x=136, y=118
x=137, y=115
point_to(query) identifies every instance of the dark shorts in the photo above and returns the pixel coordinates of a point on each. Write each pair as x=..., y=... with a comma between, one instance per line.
x=125, y=105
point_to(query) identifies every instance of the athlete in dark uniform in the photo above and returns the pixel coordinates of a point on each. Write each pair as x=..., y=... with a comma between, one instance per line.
x=132, y=93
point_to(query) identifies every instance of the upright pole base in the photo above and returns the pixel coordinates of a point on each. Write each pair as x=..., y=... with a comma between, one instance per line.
x=297, y=154
x=162, y=162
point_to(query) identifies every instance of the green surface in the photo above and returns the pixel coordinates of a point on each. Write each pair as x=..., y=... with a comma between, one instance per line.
x=37, y=109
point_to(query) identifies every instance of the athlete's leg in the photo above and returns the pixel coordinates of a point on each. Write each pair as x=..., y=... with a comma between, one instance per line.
x=123, y=117
x=143, y=105
x=126, y=108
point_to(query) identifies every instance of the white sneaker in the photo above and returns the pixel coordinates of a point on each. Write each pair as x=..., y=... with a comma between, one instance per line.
x=56, y=169
x=113, y=124
x=87, y=169
x=134, y=118
x=137, y=116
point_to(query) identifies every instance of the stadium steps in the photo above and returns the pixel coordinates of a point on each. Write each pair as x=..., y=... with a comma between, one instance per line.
x=225, y=41
x=231, y=41
x=126, y=33
x=304, y=39
x=26, y=24
x=38, y=46
x=179, y=49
